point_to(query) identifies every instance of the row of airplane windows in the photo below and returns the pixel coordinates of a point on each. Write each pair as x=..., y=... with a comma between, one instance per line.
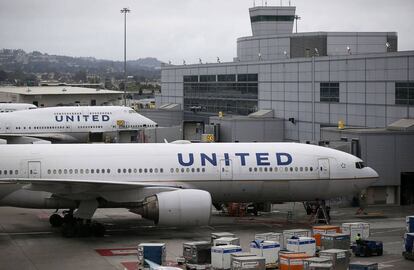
x=57, y=127
x=155, y=170
x=286, y=169
x=80, y=113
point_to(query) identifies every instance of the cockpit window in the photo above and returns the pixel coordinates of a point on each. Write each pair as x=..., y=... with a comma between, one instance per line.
x=132, y=111
x=359, y=165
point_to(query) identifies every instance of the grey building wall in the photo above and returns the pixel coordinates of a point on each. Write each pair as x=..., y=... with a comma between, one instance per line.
x=291, y=88
x=389, y=153
x=164, y=118
x=244, y=129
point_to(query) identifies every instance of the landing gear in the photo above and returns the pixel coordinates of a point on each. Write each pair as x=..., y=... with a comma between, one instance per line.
x=55, y=220
x=77, y=227
x=78, y=223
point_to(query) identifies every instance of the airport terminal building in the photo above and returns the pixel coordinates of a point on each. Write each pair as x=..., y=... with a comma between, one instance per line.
x=311, y=82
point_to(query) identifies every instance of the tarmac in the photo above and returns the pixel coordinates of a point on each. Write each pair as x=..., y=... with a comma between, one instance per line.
x=27, y=240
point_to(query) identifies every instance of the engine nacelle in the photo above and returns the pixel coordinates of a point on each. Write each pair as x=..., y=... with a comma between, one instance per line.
x=186, y=207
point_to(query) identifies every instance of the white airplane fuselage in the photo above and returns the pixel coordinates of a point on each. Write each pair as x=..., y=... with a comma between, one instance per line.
x=230, y=172
x=71, y=124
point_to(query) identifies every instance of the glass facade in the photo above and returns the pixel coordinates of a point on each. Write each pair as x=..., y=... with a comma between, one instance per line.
x=228, y=93
x=404, y=93
x=272, y=18
x=329, y=92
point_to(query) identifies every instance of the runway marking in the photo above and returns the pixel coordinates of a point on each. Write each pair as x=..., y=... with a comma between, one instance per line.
x=393, y=230
x=382, y=265
x=117, y=251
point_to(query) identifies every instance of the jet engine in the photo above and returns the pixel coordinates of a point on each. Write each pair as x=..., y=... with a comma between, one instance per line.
x=186, y=207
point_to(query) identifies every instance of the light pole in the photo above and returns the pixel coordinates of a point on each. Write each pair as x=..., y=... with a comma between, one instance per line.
x=125, y=11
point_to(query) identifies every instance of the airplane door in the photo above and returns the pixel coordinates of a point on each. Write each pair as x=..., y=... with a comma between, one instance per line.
x=323, y=168
x=226, y=171
x=34, y=169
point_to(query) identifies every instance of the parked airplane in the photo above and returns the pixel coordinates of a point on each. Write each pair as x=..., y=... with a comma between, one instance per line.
x=172, y=184
x=11, y=107
x=69, y=124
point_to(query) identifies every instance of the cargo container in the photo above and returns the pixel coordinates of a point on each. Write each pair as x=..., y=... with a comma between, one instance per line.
x=154, y=252
x=408, y=242
x=220, y=256
x=198, y=252
x=248, y=263
x=302, y=244
x=410, y=224
x=313, y=262
x=222, y=241
x=324, y=229
x=240, y=254
x=319, y=266
x=270, y=236
x=355, y=228
x=335, y=241
x=296, y=233
x=363, y=266
x=292, y=261
x=339, y=257
x=216, y=235
x=267, y=249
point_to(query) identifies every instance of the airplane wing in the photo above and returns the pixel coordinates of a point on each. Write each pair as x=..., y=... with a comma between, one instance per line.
x=77, y=189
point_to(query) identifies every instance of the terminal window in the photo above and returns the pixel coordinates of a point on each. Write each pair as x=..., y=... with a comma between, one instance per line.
x=329, y=92
x=404, y=93
x=229, y=93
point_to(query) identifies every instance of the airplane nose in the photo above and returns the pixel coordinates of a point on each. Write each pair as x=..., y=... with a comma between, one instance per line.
x=372, y=173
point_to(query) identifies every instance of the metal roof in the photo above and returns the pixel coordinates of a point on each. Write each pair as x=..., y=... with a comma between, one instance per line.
x=402, y=125
x=55, y=90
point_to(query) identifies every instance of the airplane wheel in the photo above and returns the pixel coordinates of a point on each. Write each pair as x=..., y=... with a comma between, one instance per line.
x=55, y=220
x=68, y=218
x=98, y=229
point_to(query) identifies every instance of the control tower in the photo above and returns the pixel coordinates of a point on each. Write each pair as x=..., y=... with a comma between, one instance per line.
x=272, y=20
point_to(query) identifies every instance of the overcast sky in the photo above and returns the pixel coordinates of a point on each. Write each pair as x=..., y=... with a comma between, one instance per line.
x=179, y=29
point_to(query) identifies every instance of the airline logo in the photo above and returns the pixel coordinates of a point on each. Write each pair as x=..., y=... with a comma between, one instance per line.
x=260, y=159
x=82, y=118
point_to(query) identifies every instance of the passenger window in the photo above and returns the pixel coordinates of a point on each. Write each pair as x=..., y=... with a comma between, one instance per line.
x=161, y=170
x=124, y=170
x=296, y=169
x=250, y=169
x=150, y=170
x=119, y=170
x=203, y=169
x=65, y=171
x=16, y=172
x=192, y=170
x=156, y=170
x=172, y=170
x=177, y=170
x=48, y=172
x=97, y=170
x=135, y=170
x=265, y=169
x=198, y=169
x=108, y=170
x=270, y=169
x=182, y=170
x=140, y=170
x=54, y=172
x=286, y=169
x=129, y=171
x=81, y=171
x=76, y=171
x=70, y=171
x=60, y=171
x=92, y=171
x=311, y=168
x=145, y=170
x=87, y=171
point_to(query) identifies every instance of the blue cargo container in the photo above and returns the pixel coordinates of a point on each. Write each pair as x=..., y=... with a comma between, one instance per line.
x=408, y=242
x=154, y=252
x=410, y=224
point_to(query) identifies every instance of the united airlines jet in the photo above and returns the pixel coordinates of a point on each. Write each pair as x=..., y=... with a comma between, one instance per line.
x=174, y=183
x=69, y=124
